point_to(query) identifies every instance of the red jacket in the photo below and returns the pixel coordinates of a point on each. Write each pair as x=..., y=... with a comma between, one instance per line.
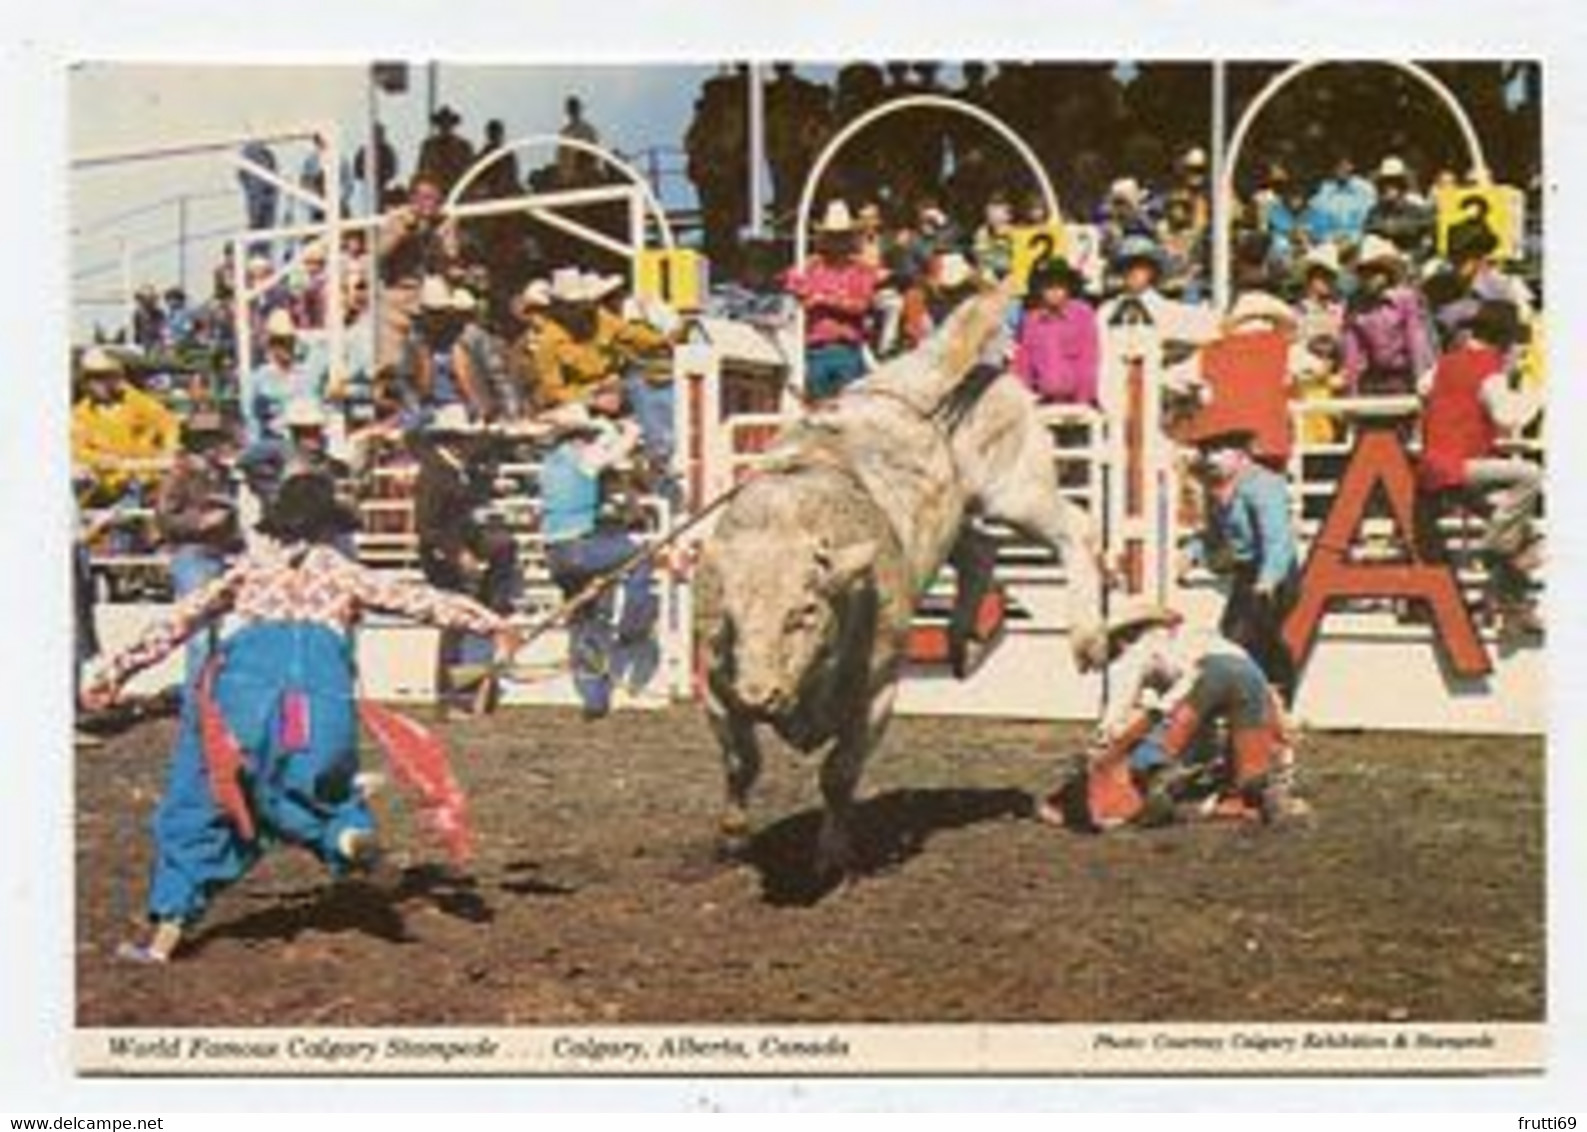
x=1456, y=425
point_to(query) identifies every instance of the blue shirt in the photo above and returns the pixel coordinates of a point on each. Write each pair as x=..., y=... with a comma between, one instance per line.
x=1255, y=525
x=570, y=494
x=1338, y=210
x=267, y=390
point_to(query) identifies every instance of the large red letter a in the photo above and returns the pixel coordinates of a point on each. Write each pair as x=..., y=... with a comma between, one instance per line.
x=1380, y=458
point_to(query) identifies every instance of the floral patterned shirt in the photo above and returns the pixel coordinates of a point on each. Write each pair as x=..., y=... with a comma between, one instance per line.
x=318, y=585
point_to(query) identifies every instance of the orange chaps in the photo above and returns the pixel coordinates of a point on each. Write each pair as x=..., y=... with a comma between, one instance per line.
x=1111, y=794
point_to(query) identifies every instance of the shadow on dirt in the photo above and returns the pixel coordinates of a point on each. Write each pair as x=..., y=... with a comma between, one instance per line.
x=366, y=907
x=888, y=830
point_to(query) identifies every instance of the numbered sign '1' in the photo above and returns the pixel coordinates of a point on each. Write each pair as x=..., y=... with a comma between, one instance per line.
x=1034, y=244
x=679, y=278
x=1501, y=207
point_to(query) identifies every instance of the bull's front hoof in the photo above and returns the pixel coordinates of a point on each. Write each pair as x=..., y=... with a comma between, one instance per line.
x=734, y=822
x=732, y=842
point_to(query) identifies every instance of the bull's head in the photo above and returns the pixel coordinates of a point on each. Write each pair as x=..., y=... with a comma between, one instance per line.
x=782, y=601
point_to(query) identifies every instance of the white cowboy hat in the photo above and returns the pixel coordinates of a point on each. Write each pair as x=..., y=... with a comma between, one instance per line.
x=97, y=361
x=435, y=294
x=1324, y=256
x=536, y=296
x=565, y=420
x=1259, y=306
x=1375, y=249
x=1194, y=158
x=450, y=419
x=303, y=412
x=568, y=286
x=1125, y=189
x=837, y=219
x=600, y=286
x=313, y=252
x=279, y=324
x=1093, y=646
x=463, y=301
x=1392, y=169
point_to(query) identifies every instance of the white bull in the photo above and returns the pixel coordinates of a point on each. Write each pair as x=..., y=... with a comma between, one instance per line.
x=810, y=580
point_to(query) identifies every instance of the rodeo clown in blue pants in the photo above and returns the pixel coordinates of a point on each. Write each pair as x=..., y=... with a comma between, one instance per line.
x=268, y=751
x=582, y=544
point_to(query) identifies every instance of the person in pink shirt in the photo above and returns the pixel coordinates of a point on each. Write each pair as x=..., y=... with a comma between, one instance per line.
x=837, y=290
x=1056, y=353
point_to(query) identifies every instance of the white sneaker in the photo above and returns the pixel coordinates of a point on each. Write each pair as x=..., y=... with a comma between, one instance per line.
x=359, y=846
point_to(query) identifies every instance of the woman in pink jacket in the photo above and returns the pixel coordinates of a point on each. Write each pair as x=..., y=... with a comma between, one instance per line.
x=1056, y=354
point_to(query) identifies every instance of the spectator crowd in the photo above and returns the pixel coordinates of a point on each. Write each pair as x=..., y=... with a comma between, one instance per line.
x=449, y=327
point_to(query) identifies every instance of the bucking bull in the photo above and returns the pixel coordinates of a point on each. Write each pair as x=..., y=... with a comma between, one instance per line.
x=809, y=582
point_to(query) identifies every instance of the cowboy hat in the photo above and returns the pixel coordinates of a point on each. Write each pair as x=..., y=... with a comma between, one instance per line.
x=1194, y=158
x=601, y=286
x=445, y=116
x=569, y=419
x=303, y=412
x=450, y=420
x=1324, y=257
x=1393, y=169
x=1055, y=272
x=535, y=296
x=279, y=324
x=99, y=362
x=306, y=510
x=1138, y=249
x=1094, y=647
x=837, y=220
x=1259, y=306
x=435, y=294
x=1375, y=250
x=568, y=285
x=464, y=302
x=1127, y=189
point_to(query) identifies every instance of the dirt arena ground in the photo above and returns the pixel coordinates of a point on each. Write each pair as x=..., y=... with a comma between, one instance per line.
x=1417, y=893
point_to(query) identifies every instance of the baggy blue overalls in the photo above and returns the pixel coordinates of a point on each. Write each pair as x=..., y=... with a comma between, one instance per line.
x=299, y=784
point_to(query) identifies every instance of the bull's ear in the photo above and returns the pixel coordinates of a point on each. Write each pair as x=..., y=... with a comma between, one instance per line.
x=838, y=569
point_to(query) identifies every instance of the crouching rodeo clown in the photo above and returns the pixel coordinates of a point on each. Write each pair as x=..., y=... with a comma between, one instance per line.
x=1174, y=687
x=268, y=751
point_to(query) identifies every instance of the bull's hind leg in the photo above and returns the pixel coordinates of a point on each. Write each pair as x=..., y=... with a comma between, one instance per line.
x=1027, y=499
x=741, y=766
x=840, y=777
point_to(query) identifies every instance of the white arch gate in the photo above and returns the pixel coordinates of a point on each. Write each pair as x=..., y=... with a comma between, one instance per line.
x=1221, y=248
x=641, y=199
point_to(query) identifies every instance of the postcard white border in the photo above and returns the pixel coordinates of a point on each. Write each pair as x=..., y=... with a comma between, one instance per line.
x=36, y=899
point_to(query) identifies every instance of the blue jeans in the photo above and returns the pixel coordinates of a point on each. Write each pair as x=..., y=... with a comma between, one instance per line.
x=830, y=367
x=612, y=637
x=652, y=405
x=193, y=568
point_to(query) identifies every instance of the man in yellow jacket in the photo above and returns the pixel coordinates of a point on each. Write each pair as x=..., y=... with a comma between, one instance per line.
x=569, y=361
x=122, y=438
